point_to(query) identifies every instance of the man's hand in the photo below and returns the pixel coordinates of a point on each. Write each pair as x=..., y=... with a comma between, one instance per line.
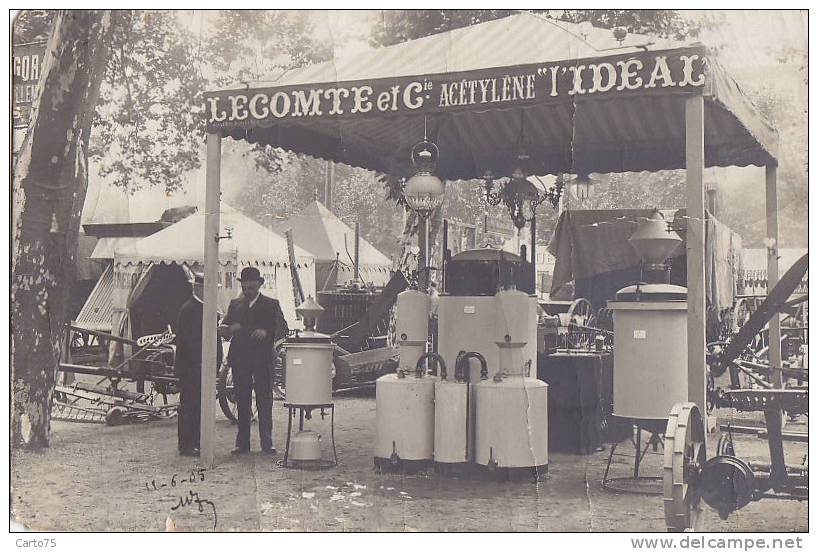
x=259, y=334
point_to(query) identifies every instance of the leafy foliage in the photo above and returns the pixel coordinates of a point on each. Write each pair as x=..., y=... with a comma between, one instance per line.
x=148, y=130
x=33, y=25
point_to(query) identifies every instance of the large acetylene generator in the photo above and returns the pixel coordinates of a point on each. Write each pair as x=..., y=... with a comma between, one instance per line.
x=485, y=410
x=650, y=345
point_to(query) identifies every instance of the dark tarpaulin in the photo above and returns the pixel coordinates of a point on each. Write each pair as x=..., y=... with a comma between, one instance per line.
x=483, y=91
x=591, y=248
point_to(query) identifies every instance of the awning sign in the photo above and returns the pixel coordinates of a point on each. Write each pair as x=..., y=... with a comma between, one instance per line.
x=497, y=88
x=27, y=61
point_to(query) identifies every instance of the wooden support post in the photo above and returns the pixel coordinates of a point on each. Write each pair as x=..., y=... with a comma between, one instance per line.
x=696, y=308
x=534, y=254
x=211, y=274
x=772, y=270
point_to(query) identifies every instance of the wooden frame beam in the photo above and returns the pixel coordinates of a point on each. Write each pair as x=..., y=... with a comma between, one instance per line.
x=696, y=307
x=771, y=205
x=210, y=299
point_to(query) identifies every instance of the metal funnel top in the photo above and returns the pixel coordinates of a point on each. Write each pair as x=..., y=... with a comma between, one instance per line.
x=654, y=239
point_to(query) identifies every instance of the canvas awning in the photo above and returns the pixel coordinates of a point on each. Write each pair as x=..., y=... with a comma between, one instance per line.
x=249, y=244
x=575, y=105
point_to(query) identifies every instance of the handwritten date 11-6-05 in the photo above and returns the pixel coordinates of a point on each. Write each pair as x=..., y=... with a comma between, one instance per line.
x=193, y=476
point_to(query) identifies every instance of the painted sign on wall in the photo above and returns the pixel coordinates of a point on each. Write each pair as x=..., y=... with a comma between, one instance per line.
x=26, y=65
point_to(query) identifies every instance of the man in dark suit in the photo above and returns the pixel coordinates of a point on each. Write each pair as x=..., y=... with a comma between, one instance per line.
x=254, y=322
x=188, y=368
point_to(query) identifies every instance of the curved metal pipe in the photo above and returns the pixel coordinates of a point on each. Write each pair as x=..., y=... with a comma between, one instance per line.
x=463, y=366
x=419, y=366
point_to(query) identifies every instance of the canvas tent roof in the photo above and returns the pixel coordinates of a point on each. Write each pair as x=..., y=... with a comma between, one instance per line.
x=183, y=242
x=317, y=230
x=576, y=104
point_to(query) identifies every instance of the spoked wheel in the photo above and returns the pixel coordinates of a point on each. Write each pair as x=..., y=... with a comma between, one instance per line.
x=685, y=454
x=580, y=315
x=278, y=373
x=226, y=394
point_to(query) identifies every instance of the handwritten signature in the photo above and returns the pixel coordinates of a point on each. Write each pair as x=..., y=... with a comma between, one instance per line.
x=193, y=498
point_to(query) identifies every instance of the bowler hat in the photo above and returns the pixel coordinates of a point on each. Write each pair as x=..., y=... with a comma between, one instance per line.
x=249, y=274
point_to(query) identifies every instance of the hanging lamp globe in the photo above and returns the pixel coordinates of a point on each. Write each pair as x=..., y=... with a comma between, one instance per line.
x=424, y=191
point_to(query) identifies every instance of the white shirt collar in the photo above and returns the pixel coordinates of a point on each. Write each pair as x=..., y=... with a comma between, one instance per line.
x=253, y=302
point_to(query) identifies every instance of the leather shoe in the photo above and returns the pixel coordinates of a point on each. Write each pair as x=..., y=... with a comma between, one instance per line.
x=240, y=450
x=269, y=450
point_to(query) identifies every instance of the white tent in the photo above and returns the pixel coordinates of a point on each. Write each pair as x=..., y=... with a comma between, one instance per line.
x=332, y=242
x=181, y=244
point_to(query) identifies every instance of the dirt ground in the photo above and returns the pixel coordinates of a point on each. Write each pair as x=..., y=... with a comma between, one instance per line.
x=99, y=478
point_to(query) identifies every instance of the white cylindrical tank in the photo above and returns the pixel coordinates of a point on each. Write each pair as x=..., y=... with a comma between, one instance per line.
x=512, y=318
x=411, y=326
x=468, y=323
x=511, y=422
x=650, y=357
x=454, y=413
x=308, y=373
x=405, y=415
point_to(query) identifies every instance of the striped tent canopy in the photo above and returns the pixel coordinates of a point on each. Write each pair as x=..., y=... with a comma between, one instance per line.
x=575, y=99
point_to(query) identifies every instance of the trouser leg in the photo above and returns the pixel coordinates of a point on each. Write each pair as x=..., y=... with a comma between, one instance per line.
x=243, y=386
x=264, y=403
x=195, y=414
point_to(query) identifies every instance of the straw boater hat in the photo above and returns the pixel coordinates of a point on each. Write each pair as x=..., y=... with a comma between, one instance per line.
x=249, y=274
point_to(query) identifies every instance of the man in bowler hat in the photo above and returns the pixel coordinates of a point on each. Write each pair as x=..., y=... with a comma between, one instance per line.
x=188, y=367
x=254, y=322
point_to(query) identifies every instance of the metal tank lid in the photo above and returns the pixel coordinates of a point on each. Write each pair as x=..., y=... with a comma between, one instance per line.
x=307, y=336
x=486, y=254
x=652, y=292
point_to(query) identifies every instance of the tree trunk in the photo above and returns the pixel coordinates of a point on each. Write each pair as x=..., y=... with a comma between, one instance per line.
x=50, y=181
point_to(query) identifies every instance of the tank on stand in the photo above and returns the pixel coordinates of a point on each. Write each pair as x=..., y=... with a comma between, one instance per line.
x=650, y=350
x=308, y=376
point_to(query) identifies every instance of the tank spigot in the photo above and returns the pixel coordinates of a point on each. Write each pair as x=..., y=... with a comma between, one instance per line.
x=492, y=463
x=394, y=458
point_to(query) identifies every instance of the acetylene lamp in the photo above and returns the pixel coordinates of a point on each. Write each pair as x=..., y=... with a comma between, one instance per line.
x=424, y=191
x=582, y=186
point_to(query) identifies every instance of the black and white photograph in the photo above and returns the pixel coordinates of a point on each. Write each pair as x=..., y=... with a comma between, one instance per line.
x=406, y=270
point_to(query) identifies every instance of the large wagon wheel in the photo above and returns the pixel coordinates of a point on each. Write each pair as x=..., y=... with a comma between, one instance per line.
x=278, y=373
x=685, y=454
x=226, y=394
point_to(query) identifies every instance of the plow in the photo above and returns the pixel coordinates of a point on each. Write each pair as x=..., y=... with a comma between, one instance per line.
x=137, y=388
x=726, y=481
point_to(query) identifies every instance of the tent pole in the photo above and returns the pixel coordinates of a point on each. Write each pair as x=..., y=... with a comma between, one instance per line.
x=771, y=205
x=696, y=308
x=211, y=274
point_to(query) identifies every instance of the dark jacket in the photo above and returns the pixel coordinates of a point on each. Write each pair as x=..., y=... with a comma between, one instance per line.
x=188, y=363
x=266, y=314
